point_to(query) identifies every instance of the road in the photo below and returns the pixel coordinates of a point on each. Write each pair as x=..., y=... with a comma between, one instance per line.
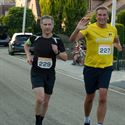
x=65, y=108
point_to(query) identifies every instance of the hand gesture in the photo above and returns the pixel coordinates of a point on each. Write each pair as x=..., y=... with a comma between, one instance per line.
x=82, y=23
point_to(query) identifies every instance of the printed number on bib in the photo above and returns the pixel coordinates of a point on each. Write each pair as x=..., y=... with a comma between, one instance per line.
x=45, y=63
x=104, y=50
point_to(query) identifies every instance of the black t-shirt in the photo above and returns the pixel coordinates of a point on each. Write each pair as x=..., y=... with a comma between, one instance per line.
x=42, y=49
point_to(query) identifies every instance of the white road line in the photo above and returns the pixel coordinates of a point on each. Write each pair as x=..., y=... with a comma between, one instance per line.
x=73, y=77
x=113, y=90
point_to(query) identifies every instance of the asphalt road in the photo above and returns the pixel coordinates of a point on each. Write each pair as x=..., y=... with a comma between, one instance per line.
x=65, y=108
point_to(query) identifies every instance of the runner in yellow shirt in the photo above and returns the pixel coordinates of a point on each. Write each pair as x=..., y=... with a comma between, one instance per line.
x=101, y=38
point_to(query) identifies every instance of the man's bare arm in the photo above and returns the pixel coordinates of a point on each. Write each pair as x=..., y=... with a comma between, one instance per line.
x=28, y=54
x=117, y=44
x=63, y=56
x=76, y=35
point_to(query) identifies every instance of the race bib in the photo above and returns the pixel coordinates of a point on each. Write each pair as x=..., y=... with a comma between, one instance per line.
x=104, y=50
x=45, y=63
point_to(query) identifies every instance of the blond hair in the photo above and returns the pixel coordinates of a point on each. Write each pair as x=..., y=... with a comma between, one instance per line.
x=102, y=8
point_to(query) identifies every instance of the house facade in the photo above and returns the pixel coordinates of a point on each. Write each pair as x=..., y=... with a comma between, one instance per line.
x=93, y=4
x=31, y=4
x=5, y=5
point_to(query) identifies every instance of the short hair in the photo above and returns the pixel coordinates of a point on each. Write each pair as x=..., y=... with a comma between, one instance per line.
x=102, y=8
x=46, y=17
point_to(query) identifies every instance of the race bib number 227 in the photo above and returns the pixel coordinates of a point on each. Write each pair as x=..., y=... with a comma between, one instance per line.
x=104, y=50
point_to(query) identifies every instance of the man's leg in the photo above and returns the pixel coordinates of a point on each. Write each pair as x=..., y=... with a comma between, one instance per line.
x=101, y=110
x=39, y=98
x=45, y=104
x=41, y=104
x=88, y=107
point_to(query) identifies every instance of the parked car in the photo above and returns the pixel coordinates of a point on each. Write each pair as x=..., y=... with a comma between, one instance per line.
x=4, y=37
x=16, y=44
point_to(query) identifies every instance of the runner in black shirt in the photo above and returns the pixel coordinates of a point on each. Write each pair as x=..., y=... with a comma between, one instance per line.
x=46, y=48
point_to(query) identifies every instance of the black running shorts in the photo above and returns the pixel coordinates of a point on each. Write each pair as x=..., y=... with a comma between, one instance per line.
x=45, y=79
x=96, y=78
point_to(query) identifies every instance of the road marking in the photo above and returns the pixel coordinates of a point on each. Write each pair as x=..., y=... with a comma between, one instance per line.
x=73, y=77
x=113, y=90
x=69, y=75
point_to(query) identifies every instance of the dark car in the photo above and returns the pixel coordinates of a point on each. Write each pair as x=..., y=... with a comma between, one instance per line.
x=17, y=42
x=4, y=37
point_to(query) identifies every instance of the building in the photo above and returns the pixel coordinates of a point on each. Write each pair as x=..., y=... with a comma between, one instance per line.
x=31, y=4
x=5, y=5
x=93, y=4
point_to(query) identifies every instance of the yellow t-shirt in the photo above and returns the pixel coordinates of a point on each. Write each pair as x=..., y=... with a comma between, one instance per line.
x=99, y=45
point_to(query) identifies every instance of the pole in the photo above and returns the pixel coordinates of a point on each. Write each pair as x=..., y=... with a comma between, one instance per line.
x=113, y=24
x=24, y=17
x=113, y=12
x=3, y=2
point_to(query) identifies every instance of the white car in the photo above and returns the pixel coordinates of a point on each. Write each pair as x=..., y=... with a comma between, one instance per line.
x=16, y=44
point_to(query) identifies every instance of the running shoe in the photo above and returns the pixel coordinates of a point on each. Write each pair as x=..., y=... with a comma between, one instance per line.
x=86, y=123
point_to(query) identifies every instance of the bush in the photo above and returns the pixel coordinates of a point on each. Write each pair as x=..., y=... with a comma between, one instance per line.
x=121, y=32
x=14, y=20
x=121, y=17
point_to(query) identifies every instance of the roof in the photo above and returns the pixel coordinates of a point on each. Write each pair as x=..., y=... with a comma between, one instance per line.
x=22, y=33
x=17, y=34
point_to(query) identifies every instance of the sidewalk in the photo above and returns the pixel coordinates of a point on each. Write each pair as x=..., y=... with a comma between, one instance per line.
x=76, y=71
x=69, y=69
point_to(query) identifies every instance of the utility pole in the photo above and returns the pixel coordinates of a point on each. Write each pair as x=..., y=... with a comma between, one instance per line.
x=113, y=12
x=114, y=3
x=24, y=17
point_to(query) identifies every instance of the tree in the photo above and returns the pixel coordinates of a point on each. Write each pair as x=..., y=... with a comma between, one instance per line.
x=66, y=13
x=1, y=20
x=73, y=12
x=14, y=20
